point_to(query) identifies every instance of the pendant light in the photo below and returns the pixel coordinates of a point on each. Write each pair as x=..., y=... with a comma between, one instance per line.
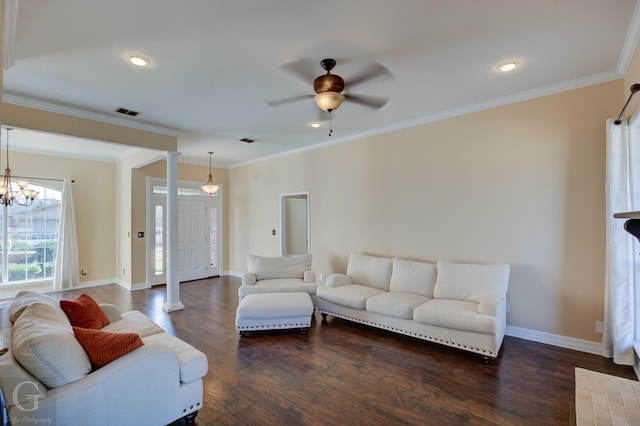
x=210, y=187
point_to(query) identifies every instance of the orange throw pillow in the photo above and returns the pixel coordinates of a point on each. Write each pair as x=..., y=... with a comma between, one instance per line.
x=103, y=346
x=84, y=312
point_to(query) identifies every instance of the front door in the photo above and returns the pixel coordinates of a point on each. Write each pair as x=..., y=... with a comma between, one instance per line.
x=198, y=241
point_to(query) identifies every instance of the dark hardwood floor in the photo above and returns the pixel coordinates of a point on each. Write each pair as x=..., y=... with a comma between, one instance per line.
x=342, y=373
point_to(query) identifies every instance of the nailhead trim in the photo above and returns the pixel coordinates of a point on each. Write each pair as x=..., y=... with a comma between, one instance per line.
x=269, y=326
x=410, y=333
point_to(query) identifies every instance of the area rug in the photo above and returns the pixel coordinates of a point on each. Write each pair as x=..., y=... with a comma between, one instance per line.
x=602, y=399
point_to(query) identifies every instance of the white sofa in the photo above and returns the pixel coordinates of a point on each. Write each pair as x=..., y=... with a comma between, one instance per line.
x=54, y=382
x=454, y=304
x=278, y=275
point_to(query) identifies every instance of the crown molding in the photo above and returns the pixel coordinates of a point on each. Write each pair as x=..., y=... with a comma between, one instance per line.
x=630, y=42
x=76, y=112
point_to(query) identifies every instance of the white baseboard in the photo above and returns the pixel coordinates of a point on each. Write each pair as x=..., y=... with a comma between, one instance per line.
x=235, y=274
x=139, y=286
x=556, y=340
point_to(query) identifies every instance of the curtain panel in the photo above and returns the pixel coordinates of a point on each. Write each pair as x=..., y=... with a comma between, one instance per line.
x=67, y=264
x=618, y=336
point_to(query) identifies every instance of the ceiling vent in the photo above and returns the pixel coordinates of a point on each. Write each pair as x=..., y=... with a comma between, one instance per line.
x=125, y=111
x=247, y=140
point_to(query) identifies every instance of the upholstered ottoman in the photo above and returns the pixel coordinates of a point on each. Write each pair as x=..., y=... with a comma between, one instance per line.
x=274, y=311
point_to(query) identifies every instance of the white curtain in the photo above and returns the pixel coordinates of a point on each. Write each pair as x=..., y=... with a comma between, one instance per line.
x=66, y=272
x=618, y=336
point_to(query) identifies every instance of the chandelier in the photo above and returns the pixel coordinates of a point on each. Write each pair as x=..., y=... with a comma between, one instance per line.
x=15, y=193
x=210, y=187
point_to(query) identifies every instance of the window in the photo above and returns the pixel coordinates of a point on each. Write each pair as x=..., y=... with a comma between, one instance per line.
x=30, y=234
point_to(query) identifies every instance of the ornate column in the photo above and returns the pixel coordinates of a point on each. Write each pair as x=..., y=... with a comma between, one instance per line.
x=173, y=286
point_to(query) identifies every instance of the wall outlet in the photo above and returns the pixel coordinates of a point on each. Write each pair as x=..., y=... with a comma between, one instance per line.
x=84, y=272
x=599, y=327
x=319, y=276
x=507, y=308
x=124, y=271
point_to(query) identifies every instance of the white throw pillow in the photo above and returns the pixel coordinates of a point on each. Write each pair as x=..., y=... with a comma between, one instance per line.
x=279, y=267
x=370, y=270
x=413, y=277
x=25, y=298
x=44, y=344
x=460, y=281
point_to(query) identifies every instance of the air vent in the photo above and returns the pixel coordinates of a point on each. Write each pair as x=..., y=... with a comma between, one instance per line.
x=247, y=140
x=125, y=111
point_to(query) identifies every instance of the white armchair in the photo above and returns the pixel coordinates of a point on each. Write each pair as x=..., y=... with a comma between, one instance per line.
x=278, y=275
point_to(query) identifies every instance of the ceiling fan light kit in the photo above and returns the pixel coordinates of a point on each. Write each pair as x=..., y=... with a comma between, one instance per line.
x=329, y=101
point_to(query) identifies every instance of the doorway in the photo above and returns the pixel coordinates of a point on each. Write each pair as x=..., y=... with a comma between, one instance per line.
x=294, y=223
x=199, y=242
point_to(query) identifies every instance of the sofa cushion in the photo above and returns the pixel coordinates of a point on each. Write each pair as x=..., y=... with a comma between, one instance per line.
x=103, y=347
x=25, y=298
x=277, y=286
x=395, y=304
x=470, y=282
x=134, y=322
x=370, y=271
x=413, y=277
x=84, y=312
x=279, y=267
x=352, y=295
x=455, y=314
x=44, y=344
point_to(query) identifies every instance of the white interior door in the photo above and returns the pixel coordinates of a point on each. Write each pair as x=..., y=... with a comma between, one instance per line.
x=193, y=240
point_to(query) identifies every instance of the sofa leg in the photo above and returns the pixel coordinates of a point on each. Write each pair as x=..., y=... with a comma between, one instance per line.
x=324, y=317
x=489, y=360
x=189, y=418
x=304, y=330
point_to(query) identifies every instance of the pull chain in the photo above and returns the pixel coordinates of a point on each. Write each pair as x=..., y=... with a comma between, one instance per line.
x=330, y=123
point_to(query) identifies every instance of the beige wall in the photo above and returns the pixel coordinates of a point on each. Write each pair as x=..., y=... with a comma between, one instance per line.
x=521, y=184
x=94, y=199
x=632, y=76
x=186, y=172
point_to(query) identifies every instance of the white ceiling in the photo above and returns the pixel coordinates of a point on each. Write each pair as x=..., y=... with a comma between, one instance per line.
x=215, y=64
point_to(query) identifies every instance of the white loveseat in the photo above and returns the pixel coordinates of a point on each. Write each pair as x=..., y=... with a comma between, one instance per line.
x=54, y=382
x=278, y=275
x=454, y=304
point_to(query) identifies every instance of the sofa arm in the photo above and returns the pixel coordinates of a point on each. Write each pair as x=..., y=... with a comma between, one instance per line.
x=489, y=305
x=119, y=391
x=309, y=277
x=338, y=280
x=111, y=311
x=249, y=278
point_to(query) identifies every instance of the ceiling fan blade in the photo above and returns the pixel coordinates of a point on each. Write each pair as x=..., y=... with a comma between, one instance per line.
x=375, y=69
x=374, y=102
x=285, y=101
x=304, y=69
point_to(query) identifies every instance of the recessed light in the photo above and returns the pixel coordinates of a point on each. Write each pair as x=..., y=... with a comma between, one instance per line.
x=315, y=125
x=139, y=60
x=508, y=66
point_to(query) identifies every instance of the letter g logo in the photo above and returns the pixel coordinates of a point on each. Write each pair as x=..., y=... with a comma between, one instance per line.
x=33, y=398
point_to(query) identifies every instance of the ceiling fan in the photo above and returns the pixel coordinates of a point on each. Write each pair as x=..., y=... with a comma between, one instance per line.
x=329, y=87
